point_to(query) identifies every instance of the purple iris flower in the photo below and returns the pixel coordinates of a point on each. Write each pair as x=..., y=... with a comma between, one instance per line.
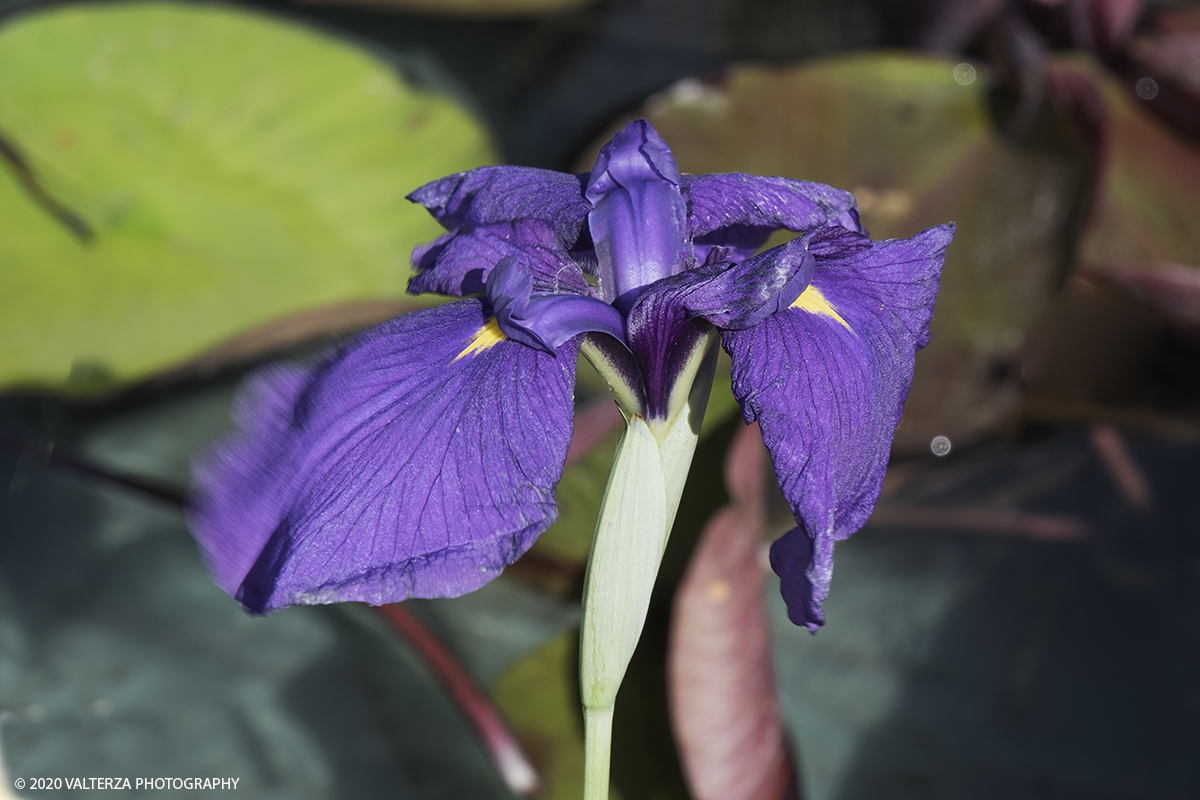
x=423, y=458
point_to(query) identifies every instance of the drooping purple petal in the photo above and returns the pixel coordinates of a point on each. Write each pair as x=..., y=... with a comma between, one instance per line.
x=232, y=536
x=458, y=262
x=493, y=212
x=638, y=217
x=418, y=462
x=826, y=379
x=739, y=211
x=805, y=570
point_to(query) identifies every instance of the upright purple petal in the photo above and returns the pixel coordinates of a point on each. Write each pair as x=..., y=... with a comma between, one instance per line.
x=638, y=220
x=491, y=195
x=826, y=379
x=418, y=462
x=493, y=212
x=458, y=262
x=636, y=154
x=739, y=211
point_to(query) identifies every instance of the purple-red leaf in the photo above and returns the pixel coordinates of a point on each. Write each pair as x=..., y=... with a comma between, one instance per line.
x=720, y=682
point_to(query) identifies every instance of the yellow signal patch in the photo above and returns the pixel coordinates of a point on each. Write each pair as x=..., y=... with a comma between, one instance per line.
x=488, y=336
x=812, y=301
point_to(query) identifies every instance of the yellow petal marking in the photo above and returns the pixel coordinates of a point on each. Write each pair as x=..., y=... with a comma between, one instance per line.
x=812, y=301
x=488, y=336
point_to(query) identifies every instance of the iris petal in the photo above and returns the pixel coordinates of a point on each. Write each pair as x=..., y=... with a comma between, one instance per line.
x=545, y=320
x=491, y=195
x=458, y=263
x=828, y=396
x=409, y=465
x=663, y=323
x=493, y=212
x=639, y=218
x=805, y=574
x=733, y=296
x=739, y=211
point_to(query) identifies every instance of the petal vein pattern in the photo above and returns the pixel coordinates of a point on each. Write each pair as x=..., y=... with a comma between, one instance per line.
x=393, y=471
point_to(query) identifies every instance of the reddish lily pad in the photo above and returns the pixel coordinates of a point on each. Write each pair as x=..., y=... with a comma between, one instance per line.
x=1144, y=212
x=724, y=709
x=1138, y=262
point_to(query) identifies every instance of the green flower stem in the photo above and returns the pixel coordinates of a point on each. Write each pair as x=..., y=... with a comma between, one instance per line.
x=636, y=513
x=597, y=749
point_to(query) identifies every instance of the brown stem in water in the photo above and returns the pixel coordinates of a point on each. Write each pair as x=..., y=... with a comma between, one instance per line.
x=507, y=756
x=29, y=179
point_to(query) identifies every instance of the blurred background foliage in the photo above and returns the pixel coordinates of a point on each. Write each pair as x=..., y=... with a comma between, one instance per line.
x=189, y=189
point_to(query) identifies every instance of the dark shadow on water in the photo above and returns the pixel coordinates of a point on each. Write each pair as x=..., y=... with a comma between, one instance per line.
x=335, y=714
x=1063, y=670
x=119, y=657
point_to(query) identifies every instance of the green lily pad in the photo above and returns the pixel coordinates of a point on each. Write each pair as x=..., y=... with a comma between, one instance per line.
x=194, y=172
x=913, y=138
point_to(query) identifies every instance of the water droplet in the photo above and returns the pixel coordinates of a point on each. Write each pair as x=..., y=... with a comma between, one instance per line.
x=1147, y=88
x=940, y=446
x=964, y=74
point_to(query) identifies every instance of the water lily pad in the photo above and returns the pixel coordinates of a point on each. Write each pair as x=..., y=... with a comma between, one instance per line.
x=913, y=138
x=120, y=656
x=177, y=175
x=1104, y=350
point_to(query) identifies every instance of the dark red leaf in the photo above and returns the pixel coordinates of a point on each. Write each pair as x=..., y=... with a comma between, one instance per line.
x=721, y=685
